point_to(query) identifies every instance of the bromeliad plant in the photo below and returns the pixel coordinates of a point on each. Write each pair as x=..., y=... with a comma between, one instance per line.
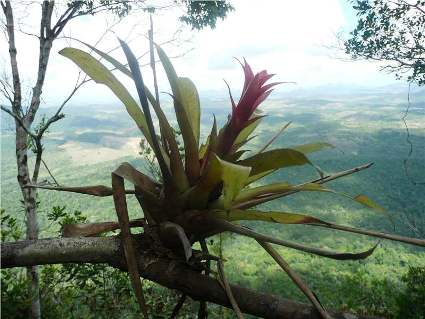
x=208, y=187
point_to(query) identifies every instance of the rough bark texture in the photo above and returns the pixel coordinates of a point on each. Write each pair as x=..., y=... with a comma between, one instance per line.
x=173, y=274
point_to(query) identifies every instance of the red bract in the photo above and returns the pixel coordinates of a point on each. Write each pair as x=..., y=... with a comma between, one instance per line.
x=255, y=91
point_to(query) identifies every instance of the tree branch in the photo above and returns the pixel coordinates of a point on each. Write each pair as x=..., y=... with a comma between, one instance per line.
x=173, y=274
x=10, y=27
x=18, y=119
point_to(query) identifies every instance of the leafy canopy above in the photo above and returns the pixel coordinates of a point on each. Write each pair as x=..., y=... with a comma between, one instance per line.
x=392, y=32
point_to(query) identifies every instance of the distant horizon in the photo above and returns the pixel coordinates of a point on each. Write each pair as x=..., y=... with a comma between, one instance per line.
x=290, y=91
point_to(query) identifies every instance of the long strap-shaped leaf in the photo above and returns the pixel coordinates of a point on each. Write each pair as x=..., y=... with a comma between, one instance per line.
x=175, y=162
x=210, y=148
x=247, y=131
x=295, y=278
x=293, y=218
x=140, y=86
x=249, y=197
x=269, y=216
x=254, y=178
x=305, y=149
x=127, y=240
x=121, y=67
x=225, y=225
x=100, y=74
x=144, y=182
x=186, y=105
x=407, y=240
x=312, y=147
x=273, y=159
x=274, y=137
x=321, y=180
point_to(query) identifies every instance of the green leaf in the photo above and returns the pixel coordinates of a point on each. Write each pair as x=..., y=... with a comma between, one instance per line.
x=210, y=147
x=269, y=216
x=180, y=97
x=366, y=201
x=253, y=196
x=247, y=131
x=198, y=196
x=312, y=147
x=278, y=188
x=254, y=178
x=138, y=81
x=224, y=224
x=234, y=178
x=175, y=162
x=110, y=59
x=274, y=159
x=191, y=104
x=236, y=156
x=203, y=148
x=100, y=74
x=160, y=114
x=231, y=176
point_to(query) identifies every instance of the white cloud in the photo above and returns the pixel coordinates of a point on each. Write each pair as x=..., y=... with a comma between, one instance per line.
x=284, y=37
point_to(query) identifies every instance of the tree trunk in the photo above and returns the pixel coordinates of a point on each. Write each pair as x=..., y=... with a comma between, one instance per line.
x=29, y=195
x=30, y=203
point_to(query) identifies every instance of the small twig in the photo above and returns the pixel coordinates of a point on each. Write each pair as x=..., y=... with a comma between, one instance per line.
x=19, y=120
x=50, y=173
x=178, y=306
x=408, y=140
x=5, y=91
x=58, y=115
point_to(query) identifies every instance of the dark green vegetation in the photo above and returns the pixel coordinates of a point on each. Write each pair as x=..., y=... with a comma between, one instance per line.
x=364, y=127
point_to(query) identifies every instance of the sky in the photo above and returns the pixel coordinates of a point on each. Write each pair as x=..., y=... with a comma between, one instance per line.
x=293, y=39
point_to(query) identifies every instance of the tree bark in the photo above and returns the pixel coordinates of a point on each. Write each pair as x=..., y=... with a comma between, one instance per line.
x=173, y=274
x=21, y=144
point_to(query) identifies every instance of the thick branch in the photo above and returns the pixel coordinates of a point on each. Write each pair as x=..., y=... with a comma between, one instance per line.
x=169, y=273
x=46, y=41
x=10, y=27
